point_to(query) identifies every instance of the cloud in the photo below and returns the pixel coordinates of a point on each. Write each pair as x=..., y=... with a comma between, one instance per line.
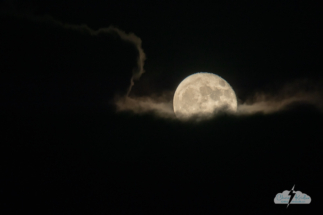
x=299, y=198
x=300, y=91
x=127, y=37
x=160, y=105
x=296, y=92
x=116, y=33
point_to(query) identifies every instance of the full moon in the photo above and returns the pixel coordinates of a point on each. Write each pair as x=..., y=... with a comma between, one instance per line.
x=203, y=94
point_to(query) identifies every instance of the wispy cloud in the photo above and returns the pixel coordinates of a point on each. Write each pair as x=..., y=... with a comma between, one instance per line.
x=300, y=91
x=160, y=105
x=296, y=92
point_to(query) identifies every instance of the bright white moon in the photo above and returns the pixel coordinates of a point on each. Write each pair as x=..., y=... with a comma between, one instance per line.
x=203, y=94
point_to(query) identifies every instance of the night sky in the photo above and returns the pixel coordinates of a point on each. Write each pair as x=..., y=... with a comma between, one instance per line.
x=68, y=148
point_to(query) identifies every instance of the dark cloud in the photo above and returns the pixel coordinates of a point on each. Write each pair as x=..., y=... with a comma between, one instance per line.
x=48, y=61
x=131, y=38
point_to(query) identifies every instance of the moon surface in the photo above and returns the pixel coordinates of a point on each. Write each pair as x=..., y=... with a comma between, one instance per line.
x=203, y=94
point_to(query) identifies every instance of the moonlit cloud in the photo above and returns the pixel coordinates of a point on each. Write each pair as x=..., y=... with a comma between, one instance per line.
x=297, y=92
x=159, y=105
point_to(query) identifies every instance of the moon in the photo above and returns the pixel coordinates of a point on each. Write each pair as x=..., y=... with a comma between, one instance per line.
x=203, y=94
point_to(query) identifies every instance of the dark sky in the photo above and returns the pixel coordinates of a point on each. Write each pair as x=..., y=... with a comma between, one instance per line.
x=67, y=151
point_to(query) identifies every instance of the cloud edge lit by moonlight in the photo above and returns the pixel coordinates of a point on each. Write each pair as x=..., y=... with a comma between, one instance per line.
x=258, y=103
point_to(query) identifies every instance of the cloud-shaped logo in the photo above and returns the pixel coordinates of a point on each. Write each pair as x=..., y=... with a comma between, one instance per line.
x=292, y=197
